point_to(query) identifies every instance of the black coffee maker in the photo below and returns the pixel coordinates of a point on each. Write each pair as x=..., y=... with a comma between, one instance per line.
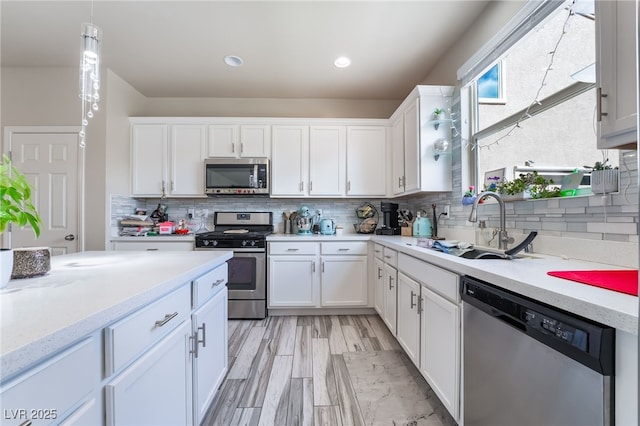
x=390, y=219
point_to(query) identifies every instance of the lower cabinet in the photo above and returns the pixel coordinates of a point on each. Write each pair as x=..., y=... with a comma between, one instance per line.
x=313, y=275
x=440, y=347
x=147, y=245
x=156, y=388
x=209, y=351
x=378, y=285
x=408, y=328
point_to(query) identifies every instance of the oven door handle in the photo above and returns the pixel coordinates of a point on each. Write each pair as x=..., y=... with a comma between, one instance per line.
x=236, y=250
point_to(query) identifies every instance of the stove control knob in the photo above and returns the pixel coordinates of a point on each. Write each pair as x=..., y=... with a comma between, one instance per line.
x=205, y=242
x=253, y=243
x=244, y=243
x=215, y=243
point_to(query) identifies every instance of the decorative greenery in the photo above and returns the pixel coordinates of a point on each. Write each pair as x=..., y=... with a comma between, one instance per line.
x=470, y=192
x=438, y=111
x=15, y=199
x=536, y=185
x=602, y=165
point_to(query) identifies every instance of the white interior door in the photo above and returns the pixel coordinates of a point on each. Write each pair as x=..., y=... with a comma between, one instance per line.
x=48, y=157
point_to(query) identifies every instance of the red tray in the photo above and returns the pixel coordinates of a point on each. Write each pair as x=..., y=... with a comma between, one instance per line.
x=623, y=281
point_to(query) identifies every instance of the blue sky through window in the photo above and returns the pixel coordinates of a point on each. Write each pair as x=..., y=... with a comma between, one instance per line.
x=489, y=85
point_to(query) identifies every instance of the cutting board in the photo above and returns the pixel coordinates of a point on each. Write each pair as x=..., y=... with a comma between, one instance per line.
x=623, y=281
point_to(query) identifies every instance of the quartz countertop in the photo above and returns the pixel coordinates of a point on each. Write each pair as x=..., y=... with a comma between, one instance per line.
x=84, y=292
x=528, y=276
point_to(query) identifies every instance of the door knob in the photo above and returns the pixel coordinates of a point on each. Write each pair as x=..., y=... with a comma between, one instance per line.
x=70, y=237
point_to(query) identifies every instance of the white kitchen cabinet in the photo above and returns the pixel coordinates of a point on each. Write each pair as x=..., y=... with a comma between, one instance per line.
x=166, y=160
x=314, y=275
x=152, y=245
x=415, y=168
x=237, y=141
x=52, y=390
x=210, y=360
x=149, y=144
x=397, y=156
x=344, y=274
x=379, y=283
x=408, y=327
x=327, y=161
x=157, y=388
x=440, y=347
x=290, y=161
x=293, y=281
x=366, y=161
x=390, y=298
x=616, y=75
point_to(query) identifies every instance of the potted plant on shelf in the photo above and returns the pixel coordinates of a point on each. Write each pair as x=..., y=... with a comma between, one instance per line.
x=529, y=185
x=15, y=207
x=469, y=196
x=438, y=114
x=604, y=177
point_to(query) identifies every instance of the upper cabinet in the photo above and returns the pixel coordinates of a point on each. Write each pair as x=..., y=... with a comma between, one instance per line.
x=166, y=160
x=418, y=163
x=237, y=141
x=616, y=55
x=328, y=161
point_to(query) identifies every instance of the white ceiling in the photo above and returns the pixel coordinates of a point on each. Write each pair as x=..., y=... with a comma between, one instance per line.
x=176, y=48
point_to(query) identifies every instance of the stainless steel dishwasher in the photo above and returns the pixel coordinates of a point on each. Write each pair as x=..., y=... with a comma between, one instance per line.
x=526, y=363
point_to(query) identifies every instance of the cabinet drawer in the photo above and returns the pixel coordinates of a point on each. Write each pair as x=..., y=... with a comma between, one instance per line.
x=293, y=248
x=346, y=247
x=437, y=279
x=209, y=284
x=45, y=393
x=390, y=256
x=377, y=251
x=131, y=335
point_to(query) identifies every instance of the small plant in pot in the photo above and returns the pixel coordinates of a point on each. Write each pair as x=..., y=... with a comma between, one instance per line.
x=15, y=207
x=604, y=177
x=530, y=185
x=438, y=114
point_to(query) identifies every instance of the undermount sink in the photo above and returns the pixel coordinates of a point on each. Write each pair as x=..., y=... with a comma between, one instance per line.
x=489, y=254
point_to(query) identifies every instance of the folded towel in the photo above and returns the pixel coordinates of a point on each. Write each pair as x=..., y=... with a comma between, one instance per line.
x=454, y=247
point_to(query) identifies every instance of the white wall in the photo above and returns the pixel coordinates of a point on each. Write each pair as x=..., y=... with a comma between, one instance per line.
x=49, y=97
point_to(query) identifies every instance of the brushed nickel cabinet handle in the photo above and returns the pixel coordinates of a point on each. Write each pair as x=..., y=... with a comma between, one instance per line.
x=203, y=327
x=390, y=282
x=217, y=282
x=344, y=249
x=167, y=318
x=379, y=272
x=233, y=147
x=599, y=97
x=399, y=181
x=313, y=266
x=323, y=267
x=310, y=185
x=412, y=305
x=420, y=305
x=292, y=249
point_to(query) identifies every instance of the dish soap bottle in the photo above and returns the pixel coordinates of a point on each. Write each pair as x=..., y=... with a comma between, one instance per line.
x=421, y=226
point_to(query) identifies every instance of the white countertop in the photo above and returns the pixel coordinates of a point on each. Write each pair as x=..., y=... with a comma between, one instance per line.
x=84, y=292
x=318, y=237
x=528, y=276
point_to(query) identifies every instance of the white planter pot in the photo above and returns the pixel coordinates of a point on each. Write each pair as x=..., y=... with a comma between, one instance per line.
x=6, y=266
x=604, y=181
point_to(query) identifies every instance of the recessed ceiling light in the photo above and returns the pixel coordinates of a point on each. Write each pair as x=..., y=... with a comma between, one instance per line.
x=233, y=61
x=342, y=62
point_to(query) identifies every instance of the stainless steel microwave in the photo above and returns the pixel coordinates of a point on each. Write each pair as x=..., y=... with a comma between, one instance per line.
x=244, y=176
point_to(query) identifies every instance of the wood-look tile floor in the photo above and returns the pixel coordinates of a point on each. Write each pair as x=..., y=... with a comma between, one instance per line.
x=321, y=370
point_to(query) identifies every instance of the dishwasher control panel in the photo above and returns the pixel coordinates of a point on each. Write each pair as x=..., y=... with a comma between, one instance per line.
x=553, y=327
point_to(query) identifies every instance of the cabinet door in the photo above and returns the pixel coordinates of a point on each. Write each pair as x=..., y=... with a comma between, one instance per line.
x=290, y=160
x=327, y=160
x=412, y=155
x=155, y=389
x=187, y=152
x=379, y=283
x=210, y=359
x=223, y=140
x=255, y=141
x=390, y=298
x=440, y=348
x=344, y=281
x=148, y=159
x=366, y=161
x=152, y=246
x=397, y=155
x=293, y=281
x=616, y=55
x=408, y=331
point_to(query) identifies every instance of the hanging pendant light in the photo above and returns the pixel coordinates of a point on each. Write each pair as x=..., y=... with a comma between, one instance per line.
x=91, y=37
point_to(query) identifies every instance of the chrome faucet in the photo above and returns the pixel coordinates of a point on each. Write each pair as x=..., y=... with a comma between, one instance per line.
x=503, y=237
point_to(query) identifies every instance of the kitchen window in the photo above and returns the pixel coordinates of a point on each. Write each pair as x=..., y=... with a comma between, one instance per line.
x=547, y=123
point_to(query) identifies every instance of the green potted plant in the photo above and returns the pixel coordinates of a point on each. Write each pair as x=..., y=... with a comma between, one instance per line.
x=604, y=177
x=438, y=114
x=529, y=185
x=15, y=207
x=469, y=196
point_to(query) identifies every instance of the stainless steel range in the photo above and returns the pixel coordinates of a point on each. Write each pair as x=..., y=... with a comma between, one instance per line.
x=244, y=233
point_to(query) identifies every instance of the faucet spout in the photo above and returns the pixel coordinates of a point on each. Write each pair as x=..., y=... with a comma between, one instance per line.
x=503, y=239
